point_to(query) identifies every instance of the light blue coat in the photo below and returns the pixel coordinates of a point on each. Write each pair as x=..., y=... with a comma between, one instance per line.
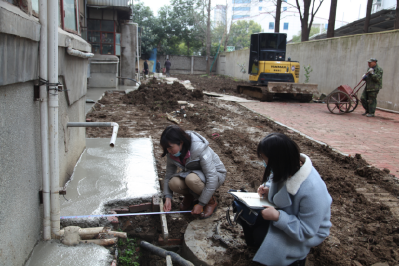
x=304, y=221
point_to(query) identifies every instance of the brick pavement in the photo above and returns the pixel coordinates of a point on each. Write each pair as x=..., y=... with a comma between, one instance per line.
x=376, y=139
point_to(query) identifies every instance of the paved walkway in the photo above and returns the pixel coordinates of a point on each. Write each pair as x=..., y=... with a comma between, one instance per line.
x=376, y=139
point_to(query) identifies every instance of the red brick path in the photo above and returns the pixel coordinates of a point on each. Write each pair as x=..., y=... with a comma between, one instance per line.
x=376, y=138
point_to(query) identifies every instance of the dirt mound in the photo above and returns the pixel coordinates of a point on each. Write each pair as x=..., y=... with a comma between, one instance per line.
x=161, y=96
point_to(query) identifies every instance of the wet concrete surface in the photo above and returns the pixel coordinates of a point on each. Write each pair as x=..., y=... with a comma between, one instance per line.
x=106, y=175
x=53, y=253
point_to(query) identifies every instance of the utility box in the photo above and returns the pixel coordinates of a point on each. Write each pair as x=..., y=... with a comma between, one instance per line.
x=103, y=71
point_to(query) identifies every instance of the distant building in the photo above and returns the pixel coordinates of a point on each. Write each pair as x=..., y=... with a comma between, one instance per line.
x=219, y=15
x=378, y=5
x=263, y=12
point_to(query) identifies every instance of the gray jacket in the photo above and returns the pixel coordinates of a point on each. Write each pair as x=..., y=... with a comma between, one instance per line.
x=304, y=221
x=204, y=162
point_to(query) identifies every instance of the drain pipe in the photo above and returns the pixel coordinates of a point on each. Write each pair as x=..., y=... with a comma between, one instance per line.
x=44, y=120
x=76, y=53
x=52, y=20
x=98, y=124
x=137, y=50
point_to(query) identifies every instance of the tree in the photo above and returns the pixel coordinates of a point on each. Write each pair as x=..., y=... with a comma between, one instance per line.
x=144, y=17
x=278, y=15
x=306, y=23
x=297, y=38
x=367, y=16
x=332, y=18
x=240, y=33
x=208, y=36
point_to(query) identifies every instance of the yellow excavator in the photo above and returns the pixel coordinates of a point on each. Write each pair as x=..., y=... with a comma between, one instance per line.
x=270, y=74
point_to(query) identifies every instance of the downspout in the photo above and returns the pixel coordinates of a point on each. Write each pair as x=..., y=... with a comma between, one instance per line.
x=137, y=50
x=77, y=53
x=44, y=120
x=52, y=20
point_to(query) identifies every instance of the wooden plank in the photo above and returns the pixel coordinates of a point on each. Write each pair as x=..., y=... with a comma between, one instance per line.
x=164, y=226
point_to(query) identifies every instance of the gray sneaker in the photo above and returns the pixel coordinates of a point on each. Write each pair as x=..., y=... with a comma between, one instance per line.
x=370, y=115
x=364, y=113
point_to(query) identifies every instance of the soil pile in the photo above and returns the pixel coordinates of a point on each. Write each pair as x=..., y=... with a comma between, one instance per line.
x=161, y=96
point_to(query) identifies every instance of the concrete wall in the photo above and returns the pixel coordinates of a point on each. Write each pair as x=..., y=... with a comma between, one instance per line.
x=103, y=71
x=20, y=143
x=343, y=60
x=187, y=64
x=336, y=61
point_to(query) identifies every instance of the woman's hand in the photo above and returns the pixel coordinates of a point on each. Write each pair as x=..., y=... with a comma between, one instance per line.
x=167, y=204
x=270, y=213
x=263, y=191
x=197, y=209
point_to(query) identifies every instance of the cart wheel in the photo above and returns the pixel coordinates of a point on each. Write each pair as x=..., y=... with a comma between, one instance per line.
x=354, y=104
x=338, y=102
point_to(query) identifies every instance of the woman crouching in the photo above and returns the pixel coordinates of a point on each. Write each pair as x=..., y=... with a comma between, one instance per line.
x=202, y=172
x=301, y=220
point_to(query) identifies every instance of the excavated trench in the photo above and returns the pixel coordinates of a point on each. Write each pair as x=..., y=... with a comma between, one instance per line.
x=365, y=199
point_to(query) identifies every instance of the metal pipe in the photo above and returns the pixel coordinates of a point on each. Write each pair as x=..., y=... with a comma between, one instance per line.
x=44, y=134
x=52, y=20
x=98, y=124
x=163, y=253
x=77, y=53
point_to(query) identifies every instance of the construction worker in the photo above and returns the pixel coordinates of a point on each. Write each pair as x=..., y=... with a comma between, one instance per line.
x=201, y=171
x=158, y=66
x=373, y=79
x=167, y=65
x=146, y=67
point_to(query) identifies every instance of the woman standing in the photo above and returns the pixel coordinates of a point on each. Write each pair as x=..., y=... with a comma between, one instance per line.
x=301, y=220
x=202, y=172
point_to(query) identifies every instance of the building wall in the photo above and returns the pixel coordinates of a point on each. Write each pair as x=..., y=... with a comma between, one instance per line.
x=187, y=64
x=336, y=61
x=20, y=141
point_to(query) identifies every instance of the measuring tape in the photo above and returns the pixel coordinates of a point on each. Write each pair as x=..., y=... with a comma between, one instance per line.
x=123, y=214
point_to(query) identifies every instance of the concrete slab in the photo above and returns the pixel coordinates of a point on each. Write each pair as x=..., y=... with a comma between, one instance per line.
x=54, y=253
x=230, y=97
x=105, y=175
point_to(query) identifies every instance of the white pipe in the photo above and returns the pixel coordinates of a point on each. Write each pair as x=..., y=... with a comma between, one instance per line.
x=52, y=20
x=137, y=51
x=44, y=120
x=98, y=124
x=77, y=53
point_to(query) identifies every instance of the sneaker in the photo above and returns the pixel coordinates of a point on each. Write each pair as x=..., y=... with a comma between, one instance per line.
x=364, y=113
x=370, y=115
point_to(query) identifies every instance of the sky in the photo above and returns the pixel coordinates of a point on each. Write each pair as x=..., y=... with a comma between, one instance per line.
x=347, y=10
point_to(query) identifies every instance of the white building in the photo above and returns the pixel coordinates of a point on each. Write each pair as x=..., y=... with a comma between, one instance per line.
x=263, y=12
x=219, y=15
x=378, y=5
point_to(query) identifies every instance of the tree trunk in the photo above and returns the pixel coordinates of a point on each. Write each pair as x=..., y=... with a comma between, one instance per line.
x=396, y=22
x=332, y=18
x=278, y=15
x=305, y=32
x=367, y=16
x=208, y=39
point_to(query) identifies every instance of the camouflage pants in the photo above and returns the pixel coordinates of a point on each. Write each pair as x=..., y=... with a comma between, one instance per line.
x=368, y=100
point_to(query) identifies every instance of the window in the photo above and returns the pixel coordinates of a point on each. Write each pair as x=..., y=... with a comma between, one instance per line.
x=240, y=8
x=101, y=35
x=241, y=1
x=260, y=8
x=68, y=16
x=271, y=25
x=240, y=16
x=286, y=26
x=284, y=8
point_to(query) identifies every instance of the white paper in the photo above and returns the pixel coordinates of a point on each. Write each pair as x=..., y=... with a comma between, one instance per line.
x=253, y=200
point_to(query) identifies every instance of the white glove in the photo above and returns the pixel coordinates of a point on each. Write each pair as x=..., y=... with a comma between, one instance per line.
x=364, y=77
x=371, y=71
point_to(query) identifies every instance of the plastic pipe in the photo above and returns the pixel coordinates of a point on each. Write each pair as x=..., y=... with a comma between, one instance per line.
x=77, y=53
x=163, y=253
x=137, y=50
x=52, y=27
x=98, y=124
x=44, y=120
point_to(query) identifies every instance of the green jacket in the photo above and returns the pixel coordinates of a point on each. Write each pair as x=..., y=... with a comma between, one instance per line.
x=374, y=81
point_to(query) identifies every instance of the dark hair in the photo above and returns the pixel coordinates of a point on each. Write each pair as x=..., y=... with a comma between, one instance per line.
x=283, y=157
x=174, y=134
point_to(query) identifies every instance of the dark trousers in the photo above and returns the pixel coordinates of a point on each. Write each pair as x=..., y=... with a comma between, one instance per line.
x=254, y=235
x=368, y=100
